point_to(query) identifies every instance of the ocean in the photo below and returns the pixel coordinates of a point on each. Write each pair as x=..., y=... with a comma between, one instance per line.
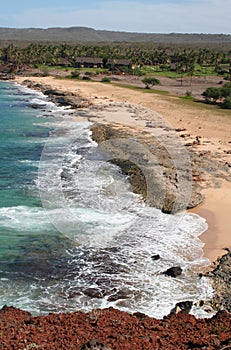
x=73, y=235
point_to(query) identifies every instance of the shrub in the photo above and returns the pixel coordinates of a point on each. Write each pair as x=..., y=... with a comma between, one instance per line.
x=138, y=72
x=85, y=77
x=227, y=76
x=88, y=73
x=164, y=67
x=227, y=103
x=149, y=82
x=212, y=94
x=106, y=80
x=75, y=75
x=226, y=90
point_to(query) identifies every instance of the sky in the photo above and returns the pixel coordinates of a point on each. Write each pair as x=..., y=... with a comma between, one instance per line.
x=145, y=16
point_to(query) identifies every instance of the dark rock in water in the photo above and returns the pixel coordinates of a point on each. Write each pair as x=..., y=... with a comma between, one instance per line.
x=37, y=106
x=173, y=271
x=53, y=92
x=82, y=150
x=124, y=293
x=38, y=86
x=62, y=101
x=65, y=175
x=155, y=257
x=94, y=345
x=94, y=293
x=182, y=306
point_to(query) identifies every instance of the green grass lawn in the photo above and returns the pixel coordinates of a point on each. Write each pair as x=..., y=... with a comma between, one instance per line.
x=200, y=71
x=204, y=70
x=72, y=69
x=45, y=67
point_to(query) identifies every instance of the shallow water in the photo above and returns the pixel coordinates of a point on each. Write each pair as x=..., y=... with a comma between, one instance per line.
x=72, y=233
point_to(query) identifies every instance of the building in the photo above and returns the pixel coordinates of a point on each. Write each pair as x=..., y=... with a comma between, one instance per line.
x=89, y=62
x=118, y=63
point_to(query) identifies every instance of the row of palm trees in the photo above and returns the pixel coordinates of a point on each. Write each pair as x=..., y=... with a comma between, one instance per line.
x=185, y=60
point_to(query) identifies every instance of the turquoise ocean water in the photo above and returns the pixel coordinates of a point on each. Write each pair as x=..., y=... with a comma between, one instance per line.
x=72, y=234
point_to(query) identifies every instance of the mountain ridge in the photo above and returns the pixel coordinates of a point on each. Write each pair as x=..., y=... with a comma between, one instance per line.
x=80, y=34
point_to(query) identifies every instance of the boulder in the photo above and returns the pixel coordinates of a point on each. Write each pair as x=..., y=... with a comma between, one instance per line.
x=155, y=257
x=94, y=292
x=182, y=306
x=173, y=271
x=37, y=106
x=53, y=92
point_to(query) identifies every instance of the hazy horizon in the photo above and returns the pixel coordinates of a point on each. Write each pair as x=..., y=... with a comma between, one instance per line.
x=109, y=30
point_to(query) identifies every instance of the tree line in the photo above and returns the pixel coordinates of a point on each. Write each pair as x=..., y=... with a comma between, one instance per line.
x=184, y=60
x=54, y=55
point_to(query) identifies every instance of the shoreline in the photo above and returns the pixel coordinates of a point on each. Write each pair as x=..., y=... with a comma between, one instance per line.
x=216, y=210
x=216, y=237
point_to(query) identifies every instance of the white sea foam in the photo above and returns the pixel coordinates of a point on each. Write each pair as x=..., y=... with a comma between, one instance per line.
x=29, y=162
x=23, y=218
x=30, y=92
x=127, y=269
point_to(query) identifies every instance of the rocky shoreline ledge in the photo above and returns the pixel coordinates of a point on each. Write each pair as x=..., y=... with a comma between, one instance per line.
x=116, y=329
x=221, y=278
x=111, y=329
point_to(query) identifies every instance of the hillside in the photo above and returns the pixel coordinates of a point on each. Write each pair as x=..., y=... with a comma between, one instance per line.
x=84, y=34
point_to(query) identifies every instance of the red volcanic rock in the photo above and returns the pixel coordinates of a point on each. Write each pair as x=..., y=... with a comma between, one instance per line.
x=113, y=329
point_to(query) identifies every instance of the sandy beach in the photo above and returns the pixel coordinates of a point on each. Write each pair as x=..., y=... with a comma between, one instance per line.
x=206, y=129
x=216, y=210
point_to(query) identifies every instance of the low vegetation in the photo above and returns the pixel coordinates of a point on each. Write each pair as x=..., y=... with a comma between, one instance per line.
x=106, y=80
x=149, y=82
x=219, y=95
